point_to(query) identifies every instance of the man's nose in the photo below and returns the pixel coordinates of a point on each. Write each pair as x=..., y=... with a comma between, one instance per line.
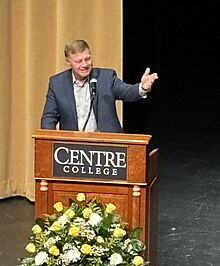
x=84, y=63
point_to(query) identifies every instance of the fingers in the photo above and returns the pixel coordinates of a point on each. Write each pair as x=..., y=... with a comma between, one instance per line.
x=147, y=71
x=154, y=76
x=148, y=79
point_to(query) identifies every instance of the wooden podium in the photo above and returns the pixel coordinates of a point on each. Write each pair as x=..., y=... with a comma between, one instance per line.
x=112, y=167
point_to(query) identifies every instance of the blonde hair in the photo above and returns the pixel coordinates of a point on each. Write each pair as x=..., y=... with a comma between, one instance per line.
x=75, y=46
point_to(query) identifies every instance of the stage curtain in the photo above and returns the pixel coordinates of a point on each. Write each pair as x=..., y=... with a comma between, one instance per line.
x=33, y=34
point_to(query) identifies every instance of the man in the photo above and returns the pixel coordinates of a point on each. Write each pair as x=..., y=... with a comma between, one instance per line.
x=71, y=103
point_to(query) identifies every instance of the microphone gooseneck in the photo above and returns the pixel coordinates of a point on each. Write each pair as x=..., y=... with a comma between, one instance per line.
x=92, y=88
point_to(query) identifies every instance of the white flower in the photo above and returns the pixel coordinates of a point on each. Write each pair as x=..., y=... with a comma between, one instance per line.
x=41, y=258
x=127, y=245
x=88, y=232
x=63, y=219
x=79, y=220
x=115, y=259
x=67, y=246
x=50, y=242
x=100, y=239
x=94, y=219
x=72, y=255
x=98, y=251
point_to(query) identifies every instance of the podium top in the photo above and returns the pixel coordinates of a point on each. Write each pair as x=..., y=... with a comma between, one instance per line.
x=104, y=137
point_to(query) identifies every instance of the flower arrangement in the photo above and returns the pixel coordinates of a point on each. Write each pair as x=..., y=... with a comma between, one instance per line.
x=84, y=233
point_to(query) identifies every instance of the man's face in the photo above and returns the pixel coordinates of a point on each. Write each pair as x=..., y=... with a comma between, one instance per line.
x=81, y=64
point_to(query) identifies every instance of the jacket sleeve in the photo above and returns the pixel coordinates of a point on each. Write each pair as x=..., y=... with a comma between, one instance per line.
x=123, y=91
x=50, y=117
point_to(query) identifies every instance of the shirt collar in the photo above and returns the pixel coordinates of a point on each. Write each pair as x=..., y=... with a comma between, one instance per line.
x=76, y=82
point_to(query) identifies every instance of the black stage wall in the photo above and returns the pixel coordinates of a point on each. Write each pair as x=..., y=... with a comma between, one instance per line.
x=180, y=40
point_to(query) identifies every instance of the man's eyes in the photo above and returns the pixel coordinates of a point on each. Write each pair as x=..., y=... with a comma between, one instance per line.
x=80, y=61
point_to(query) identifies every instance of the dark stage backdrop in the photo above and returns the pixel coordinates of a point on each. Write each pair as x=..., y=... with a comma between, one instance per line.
x=180, y=40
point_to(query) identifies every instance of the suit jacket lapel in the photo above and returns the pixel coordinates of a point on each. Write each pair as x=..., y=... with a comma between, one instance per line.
x=70, y=94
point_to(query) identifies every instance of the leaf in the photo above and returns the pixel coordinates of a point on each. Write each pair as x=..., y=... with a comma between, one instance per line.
x=136, y=233
x=108, y=221
x=137, y=245
x=70, y=201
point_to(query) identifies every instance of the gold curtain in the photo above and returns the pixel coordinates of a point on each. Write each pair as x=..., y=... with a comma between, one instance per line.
x=33, y=34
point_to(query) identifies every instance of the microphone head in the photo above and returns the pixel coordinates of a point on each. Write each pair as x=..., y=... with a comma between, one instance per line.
x=93, y=80
x=92, y=85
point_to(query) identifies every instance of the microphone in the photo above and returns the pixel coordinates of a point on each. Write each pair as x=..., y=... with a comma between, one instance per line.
x=92, y=87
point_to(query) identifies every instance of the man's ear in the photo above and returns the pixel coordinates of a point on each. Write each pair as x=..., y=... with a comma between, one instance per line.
x=67, y=60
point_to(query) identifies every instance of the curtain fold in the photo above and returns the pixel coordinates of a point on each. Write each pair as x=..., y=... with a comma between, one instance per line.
x=33, y=35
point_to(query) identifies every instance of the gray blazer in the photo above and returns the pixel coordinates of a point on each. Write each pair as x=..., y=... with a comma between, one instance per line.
x=60, y=104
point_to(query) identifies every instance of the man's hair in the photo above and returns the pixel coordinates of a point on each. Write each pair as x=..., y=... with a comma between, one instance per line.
x=75, y=46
